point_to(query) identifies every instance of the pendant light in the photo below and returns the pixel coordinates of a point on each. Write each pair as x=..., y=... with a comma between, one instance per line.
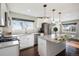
x=59, y=16
x=52, y=18
x=53, y=10
x=60, y=25
x=45, y=11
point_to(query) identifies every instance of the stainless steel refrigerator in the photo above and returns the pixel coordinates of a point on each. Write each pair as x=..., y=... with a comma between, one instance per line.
x=46, y=28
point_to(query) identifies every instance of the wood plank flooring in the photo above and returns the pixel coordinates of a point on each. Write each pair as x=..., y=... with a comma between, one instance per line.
x=29, y=52
x=72, y=49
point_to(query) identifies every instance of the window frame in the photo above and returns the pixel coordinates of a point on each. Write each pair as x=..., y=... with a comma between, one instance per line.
x=20, y=19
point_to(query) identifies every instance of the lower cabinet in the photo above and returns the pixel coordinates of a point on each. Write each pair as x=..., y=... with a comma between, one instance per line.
x=48, y=48
x=10, y=51
x=42, y=47
x=26, y=40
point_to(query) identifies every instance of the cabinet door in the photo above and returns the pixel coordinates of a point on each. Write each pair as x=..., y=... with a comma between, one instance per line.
x=26, y=41
x=42, y=47
x=10, y=51
x=31, y=40
x=23, y=42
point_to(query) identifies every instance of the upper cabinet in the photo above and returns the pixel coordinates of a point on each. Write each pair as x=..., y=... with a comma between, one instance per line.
x=3, y=14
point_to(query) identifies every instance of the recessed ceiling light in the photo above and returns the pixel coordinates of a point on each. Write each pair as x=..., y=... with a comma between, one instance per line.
x=28, y=10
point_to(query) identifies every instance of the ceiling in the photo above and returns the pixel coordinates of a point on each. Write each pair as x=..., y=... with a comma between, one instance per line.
x=68, y=10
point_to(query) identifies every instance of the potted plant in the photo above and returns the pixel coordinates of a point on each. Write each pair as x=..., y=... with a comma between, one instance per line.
x=55, y=29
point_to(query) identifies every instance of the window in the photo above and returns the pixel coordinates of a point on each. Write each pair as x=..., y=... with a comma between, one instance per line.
x=16, y=25
x=22, y=26
x=71, y=27
x=27, y=25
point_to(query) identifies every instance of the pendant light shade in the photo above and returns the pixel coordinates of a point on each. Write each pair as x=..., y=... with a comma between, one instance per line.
x=53, y=10
x=44, y=5
x=59, y=16
x=44, y=10
x=60, y=24
x=53, y=18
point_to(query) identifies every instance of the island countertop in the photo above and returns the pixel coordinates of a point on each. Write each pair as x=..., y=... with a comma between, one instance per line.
x=51, y=38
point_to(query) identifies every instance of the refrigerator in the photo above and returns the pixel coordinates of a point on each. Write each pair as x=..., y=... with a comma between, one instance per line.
x=46, y=28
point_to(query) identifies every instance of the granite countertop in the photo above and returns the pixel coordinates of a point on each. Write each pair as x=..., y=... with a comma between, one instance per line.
x=6, y=39
x=51, y=38
x=7, y=42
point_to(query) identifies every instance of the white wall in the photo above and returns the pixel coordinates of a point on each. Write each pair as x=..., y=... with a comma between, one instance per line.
x=19, y=15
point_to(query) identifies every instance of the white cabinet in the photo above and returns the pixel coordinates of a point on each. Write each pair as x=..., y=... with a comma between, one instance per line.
x=10, y=48
x=30, y=40
x=42, y=47
x=3, y=9
x=48, y=48
x=23, y=42
x=26, y=40
x=10, y=51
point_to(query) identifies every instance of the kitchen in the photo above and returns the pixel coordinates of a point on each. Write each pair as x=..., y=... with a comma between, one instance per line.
x=21, y=32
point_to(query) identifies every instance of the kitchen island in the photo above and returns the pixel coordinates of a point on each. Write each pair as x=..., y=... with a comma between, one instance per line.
x=48, y=46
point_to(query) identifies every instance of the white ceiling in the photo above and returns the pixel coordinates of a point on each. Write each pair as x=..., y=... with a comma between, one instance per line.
x=69, y=10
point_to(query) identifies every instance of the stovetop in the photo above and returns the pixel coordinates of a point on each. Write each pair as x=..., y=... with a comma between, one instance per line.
x=6, y=39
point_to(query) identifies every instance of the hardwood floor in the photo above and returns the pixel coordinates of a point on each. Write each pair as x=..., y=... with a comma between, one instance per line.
x=29, y=52
x=72, y=49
